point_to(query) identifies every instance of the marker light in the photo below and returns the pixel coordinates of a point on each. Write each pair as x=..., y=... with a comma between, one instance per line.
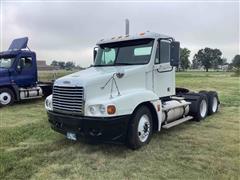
x=141, y=34
x=48, y=103
x=111, y=109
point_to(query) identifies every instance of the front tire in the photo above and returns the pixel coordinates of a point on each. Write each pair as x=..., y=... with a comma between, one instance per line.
x=140, y=128
x=6, y=97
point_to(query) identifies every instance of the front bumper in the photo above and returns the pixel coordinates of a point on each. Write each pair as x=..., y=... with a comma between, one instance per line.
x=106, y=129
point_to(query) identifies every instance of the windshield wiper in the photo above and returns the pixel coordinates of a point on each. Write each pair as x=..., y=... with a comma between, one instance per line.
x=116, y=64
x=122, y=63
x=101, y=65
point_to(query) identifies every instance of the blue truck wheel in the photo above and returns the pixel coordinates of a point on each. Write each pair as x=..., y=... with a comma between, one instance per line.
x=6, y=97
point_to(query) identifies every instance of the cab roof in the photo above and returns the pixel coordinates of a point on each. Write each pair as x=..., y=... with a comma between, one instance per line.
x=143, y=35
x=14, y=52
x=17, y=46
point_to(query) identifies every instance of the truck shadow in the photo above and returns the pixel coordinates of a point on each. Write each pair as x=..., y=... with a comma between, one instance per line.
x=29, y=102
x=121, y=149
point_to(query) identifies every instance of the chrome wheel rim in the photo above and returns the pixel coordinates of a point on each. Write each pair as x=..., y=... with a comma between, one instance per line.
x=5, y=98
x=203, y=108
x=215, y=104
x=143, y=128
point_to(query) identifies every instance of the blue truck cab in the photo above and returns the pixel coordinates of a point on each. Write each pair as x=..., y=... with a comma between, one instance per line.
x=19, y=75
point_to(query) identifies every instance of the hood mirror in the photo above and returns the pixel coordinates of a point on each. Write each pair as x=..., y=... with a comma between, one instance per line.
x=120, y=73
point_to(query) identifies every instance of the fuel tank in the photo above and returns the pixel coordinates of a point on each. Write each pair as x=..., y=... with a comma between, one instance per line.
x=174, y=109
x=29, y=93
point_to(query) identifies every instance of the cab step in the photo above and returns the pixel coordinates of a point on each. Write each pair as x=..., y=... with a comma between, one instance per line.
x=179, y=121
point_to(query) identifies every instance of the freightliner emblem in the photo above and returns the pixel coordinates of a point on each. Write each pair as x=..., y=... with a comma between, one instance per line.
x=66, y=82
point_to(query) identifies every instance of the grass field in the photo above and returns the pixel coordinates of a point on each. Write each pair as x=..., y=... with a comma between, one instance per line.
x=209, y=149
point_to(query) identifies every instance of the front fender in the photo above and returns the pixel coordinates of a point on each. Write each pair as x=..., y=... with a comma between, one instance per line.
x=126, y=102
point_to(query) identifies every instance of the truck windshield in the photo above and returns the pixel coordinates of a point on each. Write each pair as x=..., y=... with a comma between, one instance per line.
x=133, y=52
x=6, y=62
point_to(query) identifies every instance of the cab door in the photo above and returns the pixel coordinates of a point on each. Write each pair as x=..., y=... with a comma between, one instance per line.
x=25, y=72
x=164, y=73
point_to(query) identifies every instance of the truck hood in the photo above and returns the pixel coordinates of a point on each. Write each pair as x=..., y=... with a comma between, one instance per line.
x=98, y=80
x=94, y=75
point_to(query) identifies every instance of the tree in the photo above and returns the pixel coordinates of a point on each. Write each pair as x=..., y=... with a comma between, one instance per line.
x=236, y=62
x=61, y=64
x=54, y=63
x=208, y=57
x=224, y=61
x=195, y=63
x=69, y=65
x=184, y=58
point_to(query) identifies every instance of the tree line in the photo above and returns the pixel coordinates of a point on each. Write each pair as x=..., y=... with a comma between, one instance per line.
x=69, y=65
x=207, y=58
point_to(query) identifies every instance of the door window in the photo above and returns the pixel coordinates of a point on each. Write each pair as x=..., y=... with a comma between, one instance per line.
x=164, y=51
x=25, y=62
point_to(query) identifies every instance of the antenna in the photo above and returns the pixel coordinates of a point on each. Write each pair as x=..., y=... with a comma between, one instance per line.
x=126, y=27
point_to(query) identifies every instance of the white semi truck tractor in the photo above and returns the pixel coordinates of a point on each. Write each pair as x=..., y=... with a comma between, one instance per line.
x=128, y=94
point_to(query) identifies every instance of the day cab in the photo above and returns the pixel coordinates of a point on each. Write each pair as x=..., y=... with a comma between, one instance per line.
x=19, y=75
x=127, y=94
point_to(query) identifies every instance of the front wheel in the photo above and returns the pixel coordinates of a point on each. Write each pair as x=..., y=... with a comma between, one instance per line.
x=140, y=128
x=6, y=97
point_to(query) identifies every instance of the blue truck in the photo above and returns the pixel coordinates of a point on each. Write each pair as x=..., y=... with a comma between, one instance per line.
x=19, y=74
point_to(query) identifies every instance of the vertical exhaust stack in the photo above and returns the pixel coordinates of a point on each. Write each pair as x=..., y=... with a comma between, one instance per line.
x=126, y=27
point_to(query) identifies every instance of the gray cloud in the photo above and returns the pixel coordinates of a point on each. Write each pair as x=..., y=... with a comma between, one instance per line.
x=69, y=31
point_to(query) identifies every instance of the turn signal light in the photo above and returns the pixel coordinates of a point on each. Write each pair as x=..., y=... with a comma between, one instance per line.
x=111, y=109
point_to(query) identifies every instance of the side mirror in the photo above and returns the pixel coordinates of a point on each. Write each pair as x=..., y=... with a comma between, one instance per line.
x=175, y=53
x=95, y=53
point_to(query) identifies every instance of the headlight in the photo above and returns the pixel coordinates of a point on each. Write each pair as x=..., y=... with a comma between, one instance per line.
x=48, y=103
x=93, y=109
x=98, y=109
x=101, y=109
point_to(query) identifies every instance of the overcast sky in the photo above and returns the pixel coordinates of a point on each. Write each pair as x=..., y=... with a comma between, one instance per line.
x=70, y=30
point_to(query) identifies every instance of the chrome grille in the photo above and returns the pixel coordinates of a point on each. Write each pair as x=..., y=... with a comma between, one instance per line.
x=68, y=99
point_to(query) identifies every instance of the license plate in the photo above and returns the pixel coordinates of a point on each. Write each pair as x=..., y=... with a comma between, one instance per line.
x=71, y=136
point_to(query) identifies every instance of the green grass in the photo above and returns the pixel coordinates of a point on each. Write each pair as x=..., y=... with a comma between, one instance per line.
x=210, y=149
